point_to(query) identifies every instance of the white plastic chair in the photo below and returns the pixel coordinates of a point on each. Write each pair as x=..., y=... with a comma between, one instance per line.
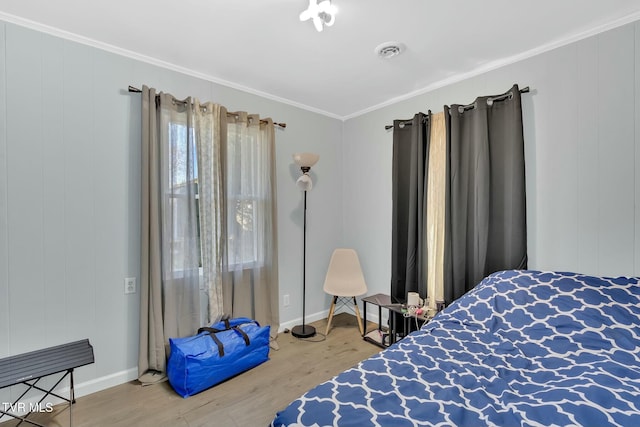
x=344, y=281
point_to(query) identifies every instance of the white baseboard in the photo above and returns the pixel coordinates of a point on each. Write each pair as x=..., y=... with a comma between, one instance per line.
x=102, y=383
x=308, y=319
x=371, y=317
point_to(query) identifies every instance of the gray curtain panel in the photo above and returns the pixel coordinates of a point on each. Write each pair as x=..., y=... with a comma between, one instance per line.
x=485, y=195
x=409, y=195
x=169, y=276
x=151, y=355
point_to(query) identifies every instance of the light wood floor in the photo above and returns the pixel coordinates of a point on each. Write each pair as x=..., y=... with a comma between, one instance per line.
x=248, y=400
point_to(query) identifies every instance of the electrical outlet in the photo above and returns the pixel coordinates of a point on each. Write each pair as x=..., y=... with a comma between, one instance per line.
x=285, y=300
x=130, y=285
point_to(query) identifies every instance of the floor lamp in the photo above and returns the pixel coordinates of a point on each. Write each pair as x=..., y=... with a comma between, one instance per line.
x=304, y=183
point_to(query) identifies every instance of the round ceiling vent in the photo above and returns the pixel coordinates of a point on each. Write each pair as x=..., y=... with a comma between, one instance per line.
x=389, y=49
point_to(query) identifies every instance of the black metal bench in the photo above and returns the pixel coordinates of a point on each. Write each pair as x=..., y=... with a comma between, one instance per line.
x=30, y=368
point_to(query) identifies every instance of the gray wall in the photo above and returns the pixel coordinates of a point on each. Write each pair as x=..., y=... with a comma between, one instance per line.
x=582, y=134
x=69, y=196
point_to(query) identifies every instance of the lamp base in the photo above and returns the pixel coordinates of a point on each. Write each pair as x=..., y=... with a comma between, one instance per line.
x=303, y=331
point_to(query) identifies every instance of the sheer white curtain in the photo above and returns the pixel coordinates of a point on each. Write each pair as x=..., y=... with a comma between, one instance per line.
x=250, y=287
x=170, y=257
x=211, y=134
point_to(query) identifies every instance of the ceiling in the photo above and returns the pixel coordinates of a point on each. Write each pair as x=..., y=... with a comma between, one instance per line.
x=262, y=47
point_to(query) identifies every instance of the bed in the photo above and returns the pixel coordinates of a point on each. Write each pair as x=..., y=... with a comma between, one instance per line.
x=521, y=348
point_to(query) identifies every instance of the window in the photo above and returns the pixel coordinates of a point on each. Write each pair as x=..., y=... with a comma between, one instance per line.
x=182, y=195
x=246, y=196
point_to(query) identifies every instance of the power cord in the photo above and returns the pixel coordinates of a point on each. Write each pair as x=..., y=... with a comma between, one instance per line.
x=323, y=337
x=418, y=313
x=311, y=339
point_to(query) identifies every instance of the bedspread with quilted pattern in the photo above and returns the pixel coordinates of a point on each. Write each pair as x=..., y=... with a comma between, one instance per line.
x=521, y=348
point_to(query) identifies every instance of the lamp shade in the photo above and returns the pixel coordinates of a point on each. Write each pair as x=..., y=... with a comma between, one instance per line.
x=305, y=183
x=305, y=159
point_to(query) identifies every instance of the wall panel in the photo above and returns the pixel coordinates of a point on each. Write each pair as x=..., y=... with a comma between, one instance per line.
x=81, y=227
x=587, y=156
x=25, y=163
x=111, y=144
x=556, y=161
x=616, y=153
x=636, y=27
x=4, y=205
x=53, y=184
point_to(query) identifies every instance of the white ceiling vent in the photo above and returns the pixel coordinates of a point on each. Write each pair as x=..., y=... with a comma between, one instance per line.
x=389, y=49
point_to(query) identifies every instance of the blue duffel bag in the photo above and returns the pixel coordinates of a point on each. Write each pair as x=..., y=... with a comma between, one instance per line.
x=217, y=353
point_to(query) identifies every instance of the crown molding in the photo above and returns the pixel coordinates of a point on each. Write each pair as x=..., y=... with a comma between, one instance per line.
x=154, y=61
x=429, y=88
x=500, y=63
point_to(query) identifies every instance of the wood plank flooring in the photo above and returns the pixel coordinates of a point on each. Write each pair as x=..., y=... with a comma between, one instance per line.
x=250, y=399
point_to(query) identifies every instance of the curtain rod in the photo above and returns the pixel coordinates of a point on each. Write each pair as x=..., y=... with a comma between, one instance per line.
x=410, y=121
x=281, y=125
x=490, y=101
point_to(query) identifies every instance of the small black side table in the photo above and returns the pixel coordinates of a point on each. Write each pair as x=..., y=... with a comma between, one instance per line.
x=384, y=337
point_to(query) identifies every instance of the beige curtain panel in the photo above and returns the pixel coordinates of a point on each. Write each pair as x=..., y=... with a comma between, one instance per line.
x=436, y=209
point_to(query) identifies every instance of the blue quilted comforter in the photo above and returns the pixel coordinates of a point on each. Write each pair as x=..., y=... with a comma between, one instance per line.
x=522, y=348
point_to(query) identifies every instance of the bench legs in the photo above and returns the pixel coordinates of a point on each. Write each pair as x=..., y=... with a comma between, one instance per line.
x=9, y=409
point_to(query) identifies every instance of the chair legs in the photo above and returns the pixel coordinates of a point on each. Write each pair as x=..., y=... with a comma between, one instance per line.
x=332, y=311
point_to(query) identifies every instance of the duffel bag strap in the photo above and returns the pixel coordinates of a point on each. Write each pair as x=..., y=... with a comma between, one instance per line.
x=212, y=334
x=225, y=319
x=243, y=334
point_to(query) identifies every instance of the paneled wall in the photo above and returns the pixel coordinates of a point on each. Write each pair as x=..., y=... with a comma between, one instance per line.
x=582, y=140
x=70, y=196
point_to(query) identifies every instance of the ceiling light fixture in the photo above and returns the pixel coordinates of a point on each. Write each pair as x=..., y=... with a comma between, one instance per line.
x=323, y=13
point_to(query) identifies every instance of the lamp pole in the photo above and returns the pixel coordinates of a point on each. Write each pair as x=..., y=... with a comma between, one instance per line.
x=304, y=331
